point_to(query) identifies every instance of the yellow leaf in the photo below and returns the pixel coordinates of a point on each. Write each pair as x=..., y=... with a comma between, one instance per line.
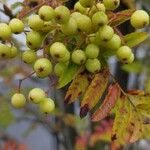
x=78, y=86
x=94, y=92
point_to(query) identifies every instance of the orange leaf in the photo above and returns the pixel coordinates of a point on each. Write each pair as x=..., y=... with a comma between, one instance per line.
x=108, y=104
x=120, y=17
x=78, y=86
x=94, y=92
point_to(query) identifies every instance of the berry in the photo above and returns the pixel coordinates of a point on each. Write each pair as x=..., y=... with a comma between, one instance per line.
x=93, y=65
x=86, y=3
x=59, y=69
x=16, y=26
x=47, y=105
x=75, y=15
x=139, y=19
x=106, y=33
x=101, y=7
x=5, y=51
x=47, y=27
x=62, y=14
x=78, y=7
x=18, y=100
x=5, y=31
x=99, y=19
x=111, y=4
x=13, y=52
x=124, y=53
x=114, y=43
x=42, y=67
x=84, y=23
x=70, y=27
x=92, y=51
x=29, y=56
x=65, y=58
x=78, y=57
x=34, y=40
x=35, y=22
x=58, y=50
x=131, y=59
x=46, y=13
x=36, y=95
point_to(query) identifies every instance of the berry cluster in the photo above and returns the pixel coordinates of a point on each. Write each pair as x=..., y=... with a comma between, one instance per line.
x=36, y=96
x=52, y=30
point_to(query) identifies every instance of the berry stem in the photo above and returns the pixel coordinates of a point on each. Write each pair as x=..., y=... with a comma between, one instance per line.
x=21, y=80
x=120, y=34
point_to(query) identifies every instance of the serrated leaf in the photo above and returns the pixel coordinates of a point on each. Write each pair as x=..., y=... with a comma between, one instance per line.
x=134, y=39
x=16, y=4
x=122, y=117
x=67, y=75
x=108, y=104
x=135, y=67
x=94, y=91
x=78, y=86
x=121, y=17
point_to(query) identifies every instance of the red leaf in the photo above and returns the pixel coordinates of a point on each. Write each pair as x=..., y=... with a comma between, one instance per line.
x=108, y=104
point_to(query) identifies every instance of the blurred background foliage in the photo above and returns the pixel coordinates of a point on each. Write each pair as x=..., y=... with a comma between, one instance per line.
x=63, y=128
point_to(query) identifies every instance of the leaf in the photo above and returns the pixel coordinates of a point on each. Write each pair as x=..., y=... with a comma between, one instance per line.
x=122, y=117
x=16, y=4
x=134, y=39
x=120, y=17
x=135, y=67
x=78, y=86
x=108, y=104
x=94, y=92
x=67, y=76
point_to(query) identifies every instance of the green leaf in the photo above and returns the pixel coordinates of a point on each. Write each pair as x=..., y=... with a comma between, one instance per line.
x=135, y=67
x=134, y=39
x=17, y=4
x=67, y=76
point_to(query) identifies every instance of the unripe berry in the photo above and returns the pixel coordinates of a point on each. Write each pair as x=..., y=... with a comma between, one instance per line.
x=93, y=65
x=78, y=57
x=78, y=7
x=35, y=22
x=46, y=13
x=29, y=56
x=59, y=69
x=84, y=23
x=99, y=19
x=124, y=53
x=92, y=51
x=62, y=14
x=70, y=27
x=18, y=100
x=96, y=8
x=14, y=52
x=131, y=59
x=58, y=50
x=42, y=67
x=139, y=19
x=47, y=105
x=106, y=33
x=75, y=15
x=5, y=31
x=86, y=3
x=65, y=58
x=34, y=40
x=47, y=27
x=111, y=4
x=36, y=95
x=16, y=25
x=5, y=51
x=114, y=43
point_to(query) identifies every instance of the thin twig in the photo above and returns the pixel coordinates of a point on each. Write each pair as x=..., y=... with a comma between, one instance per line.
x=21, y=80
x=120, y=34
